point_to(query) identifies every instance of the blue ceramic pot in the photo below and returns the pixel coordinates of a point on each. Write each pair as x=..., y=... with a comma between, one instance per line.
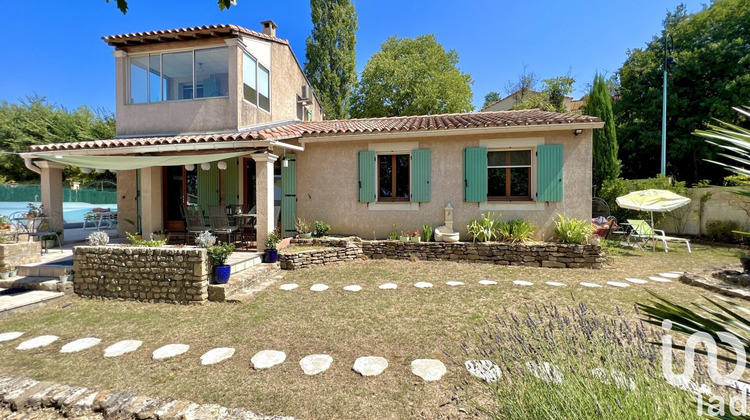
x=221, y=273
x=272, y=255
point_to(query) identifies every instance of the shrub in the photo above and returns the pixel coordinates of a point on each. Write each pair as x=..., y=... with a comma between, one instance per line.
x=426, y=233
x=137, y=240
x=485, y=228
x=737, y=180
x=302, y=225
x=572, y=230
x=205, y=239
x=98, y=238
x=218, y=254
x=723, y=231
x=519, y=230
x=321, y=229
x=273, y=239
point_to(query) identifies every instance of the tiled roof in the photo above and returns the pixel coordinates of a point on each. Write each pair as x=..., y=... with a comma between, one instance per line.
x=181, y=34
x=307, y=129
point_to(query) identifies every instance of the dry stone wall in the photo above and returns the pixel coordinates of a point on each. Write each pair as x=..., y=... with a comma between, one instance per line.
x=552, y=255
x=20, y=253
x=177, y=275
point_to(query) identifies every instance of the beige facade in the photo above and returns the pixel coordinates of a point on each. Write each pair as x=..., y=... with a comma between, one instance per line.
x=327, y=183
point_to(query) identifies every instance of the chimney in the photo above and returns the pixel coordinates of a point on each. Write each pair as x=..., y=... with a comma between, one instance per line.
x=269, y=27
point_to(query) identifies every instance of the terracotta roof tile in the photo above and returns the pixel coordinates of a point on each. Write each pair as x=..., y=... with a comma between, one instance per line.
x=313, y=129
x=195, y=31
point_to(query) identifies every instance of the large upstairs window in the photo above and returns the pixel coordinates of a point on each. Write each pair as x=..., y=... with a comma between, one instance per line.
x=256, y=83
x=184, y=75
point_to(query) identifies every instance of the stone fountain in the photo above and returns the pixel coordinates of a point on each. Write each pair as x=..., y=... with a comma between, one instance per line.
x=445, y=233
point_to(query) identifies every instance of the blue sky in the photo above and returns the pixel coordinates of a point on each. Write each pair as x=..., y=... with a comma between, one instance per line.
x=53, y=48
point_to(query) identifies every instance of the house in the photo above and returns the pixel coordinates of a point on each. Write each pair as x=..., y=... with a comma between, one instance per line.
x=507, y=103
x=223, y=115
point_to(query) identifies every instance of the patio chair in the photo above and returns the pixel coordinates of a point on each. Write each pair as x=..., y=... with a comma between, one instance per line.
x=217, y=218
x=41, y=227
x=194, y=222
x=643, y=232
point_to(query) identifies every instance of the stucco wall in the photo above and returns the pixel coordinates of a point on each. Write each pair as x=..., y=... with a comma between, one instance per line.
x=722, y=205
x=127, y=203
x=327, y=185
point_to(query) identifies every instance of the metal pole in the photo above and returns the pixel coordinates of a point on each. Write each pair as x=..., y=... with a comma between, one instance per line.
x=664, y=115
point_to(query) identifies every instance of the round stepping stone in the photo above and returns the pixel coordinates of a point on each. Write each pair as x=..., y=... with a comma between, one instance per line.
x=428, y=369
x=659, y=279
x=487, y=282
x=315, y=363
x=670, y=275
x=545, y=371
x=122, y=347
x=265, y=359
x=585, y=284
x=621, y=380
x=635, y=281
x=484, y=369
x=289, y=286
x=80, y=345
x=170, y=350
x=216, y=355
x=41, y=341
x=318, y=287
x=10, y=336
x=423, y=285
x=678, y=272
x=454, y=283
x=556, y=283
x=617, y=284
x=388, y=286
x=370, y=365
x=353, y=288
x=522, y=283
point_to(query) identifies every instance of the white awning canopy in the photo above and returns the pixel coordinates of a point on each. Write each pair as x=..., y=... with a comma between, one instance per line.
x=124, y=163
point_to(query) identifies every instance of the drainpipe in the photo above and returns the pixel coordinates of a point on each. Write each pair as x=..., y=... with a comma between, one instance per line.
x=29, y=162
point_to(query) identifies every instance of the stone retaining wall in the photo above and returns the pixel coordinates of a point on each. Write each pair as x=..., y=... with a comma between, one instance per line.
x=20, y=253
x=551, y=255
x=146, y=274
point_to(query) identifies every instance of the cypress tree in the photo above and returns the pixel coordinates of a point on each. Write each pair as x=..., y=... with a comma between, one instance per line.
x=599, y=104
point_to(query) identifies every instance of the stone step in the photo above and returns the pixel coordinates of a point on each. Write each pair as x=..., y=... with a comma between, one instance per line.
x=42, y=270
x=48, y=284
x=18, y=300
x=241, y=286
x=242, y=261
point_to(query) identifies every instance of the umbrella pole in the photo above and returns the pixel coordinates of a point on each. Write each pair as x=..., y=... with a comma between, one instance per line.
x=653, y=240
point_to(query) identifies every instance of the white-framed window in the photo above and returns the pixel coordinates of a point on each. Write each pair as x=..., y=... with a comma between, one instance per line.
x=256, y=82
x=181, y=75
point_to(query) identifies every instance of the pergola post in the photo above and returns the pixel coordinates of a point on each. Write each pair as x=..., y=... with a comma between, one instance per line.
x=264, y=197
x=52, y=193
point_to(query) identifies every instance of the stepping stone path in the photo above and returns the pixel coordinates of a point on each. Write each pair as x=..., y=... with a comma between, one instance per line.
x=556, y=283
x=522, y=283
x=545, y=371
x=388, y=286
x=318, y=287
x=289, y=286
x=621, y=380
x=80, y=345
x=635, y=281
x=265, y=359
x=370, y=365
x=422, y=285
x=315, y=363
x=454, y=283
x=353, y=288
x=170, y=350
x=484, y=369
x=670, y=275
x=659, y=279
x=122, y=347
x=217, y=355
x=9, y=336
x=487, y=282
x=41, y=341
x=428, y=369
x=584, y=284
x=617, y=284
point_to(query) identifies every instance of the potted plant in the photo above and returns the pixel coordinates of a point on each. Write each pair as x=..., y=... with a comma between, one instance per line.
x=5, y=223
x=217, y=257
x=415, y=236
x=271, y=253
x=68, y=276
x=303, y=228
x=404, y=237
x=159, y=235
x=426, y=232
x=5, y=271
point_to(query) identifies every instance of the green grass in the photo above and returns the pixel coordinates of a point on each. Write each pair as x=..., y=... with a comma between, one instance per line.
x=401, y=325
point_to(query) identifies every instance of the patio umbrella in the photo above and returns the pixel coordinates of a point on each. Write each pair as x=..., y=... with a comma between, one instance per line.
x=652, y=201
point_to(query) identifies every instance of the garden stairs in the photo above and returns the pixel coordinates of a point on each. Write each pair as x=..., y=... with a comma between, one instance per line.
x=248, y=276
x=34, y=286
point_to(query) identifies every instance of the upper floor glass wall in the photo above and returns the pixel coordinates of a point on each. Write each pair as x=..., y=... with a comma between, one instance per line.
x=184, y=75
x=256, y=83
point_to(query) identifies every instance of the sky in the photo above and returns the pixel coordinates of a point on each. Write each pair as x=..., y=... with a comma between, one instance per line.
x=53, y=48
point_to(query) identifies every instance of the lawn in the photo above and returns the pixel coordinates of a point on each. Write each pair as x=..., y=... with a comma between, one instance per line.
x=400, y=325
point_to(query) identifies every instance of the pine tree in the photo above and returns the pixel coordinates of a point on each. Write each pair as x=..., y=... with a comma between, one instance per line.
x=599, y=104
x=331, y=64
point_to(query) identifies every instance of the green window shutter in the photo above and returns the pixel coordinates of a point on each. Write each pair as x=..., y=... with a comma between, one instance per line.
x=232, y=181
x=549, y=172
x=367, y=176
x=475, y=174
x=420, y=175
x=288, y=196
x=208, y=187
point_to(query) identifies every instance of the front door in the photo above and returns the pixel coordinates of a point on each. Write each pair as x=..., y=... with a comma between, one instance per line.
x=180, y=187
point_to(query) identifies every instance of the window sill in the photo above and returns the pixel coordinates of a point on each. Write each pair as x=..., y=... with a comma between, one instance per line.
x=170, y=101
x=403, y=206
x=511, y=205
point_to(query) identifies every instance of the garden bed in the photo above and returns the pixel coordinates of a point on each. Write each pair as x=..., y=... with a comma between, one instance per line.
x=552, y=255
